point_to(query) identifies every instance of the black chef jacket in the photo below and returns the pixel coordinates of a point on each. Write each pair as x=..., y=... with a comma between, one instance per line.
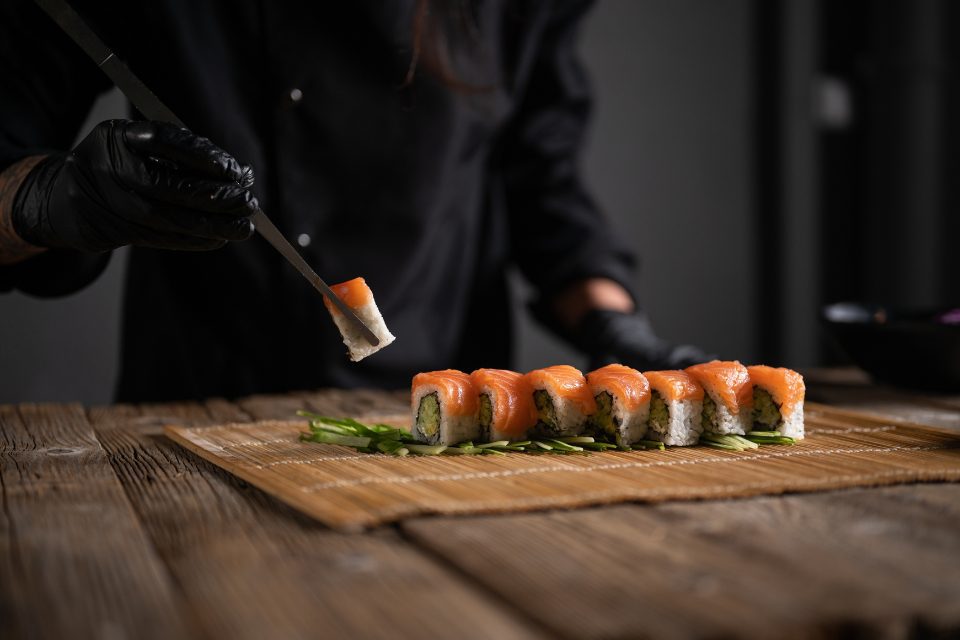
x=428, y=192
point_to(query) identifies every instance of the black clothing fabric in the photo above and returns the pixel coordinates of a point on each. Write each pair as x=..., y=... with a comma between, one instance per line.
x=429, y=193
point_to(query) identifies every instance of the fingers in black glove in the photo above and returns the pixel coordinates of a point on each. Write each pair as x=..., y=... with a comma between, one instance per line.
x=608, y=337
x=628, y=338
x=190, y=152
x=148, y=184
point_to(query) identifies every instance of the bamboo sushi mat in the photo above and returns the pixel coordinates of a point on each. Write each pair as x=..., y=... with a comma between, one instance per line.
x=348, y=490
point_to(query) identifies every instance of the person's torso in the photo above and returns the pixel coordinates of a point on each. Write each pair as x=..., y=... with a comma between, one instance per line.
x=368, y=177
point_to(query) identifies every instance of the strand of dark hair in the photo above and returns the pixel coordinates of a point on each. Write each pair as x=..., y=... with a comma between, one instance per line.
x=432, y=26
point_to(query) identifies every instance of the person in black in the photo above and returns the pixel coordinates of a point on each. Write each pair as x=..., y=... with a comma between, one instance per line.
x=430, y=184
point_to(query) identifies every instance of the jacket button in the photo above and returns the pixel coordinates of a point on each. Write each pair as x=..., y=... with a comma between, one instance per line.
x=303, y=240
x=295, y=95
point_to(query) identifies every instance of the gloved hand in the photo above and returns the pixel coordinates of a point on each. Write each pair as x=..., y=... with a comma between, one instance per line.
x=149, y=184
x=628, y=338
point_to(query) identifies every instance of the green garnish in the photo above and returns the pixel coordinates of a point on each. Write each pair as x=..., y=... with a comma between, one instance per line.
x=426, y=449
x=648, y=444
x=741, y=443
x=382, y=438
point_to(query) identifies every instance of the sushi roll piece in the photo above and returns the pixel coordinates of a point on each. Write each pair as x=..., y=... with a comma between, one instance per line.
x=676, y=405
x=777, y=400
x=444, y=405
x=727, y=396
x=357, y=295
x=562, y=399
x=622, y=395
x=506, y=410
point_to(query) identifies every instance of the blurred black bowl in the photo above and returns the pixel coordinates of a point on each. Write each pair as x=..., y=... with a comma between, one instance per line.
x=916, y=349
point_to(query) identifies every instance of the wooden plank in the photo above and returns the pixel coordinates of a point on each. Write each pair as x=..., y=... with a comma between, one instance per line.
x=863, y=562
x=250, y=567
x=850, y=388
x=75, y=560
x=334, y=402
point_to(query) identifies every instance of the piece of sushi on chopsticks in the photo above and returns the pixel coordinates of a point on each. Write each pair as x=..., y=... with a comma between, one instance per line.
x=444, y=405
x=358, y=296
x=777, y=400
x=676, y=405
x=562, y=399
x=727, y=398
x=622, y=395
x=506, y=410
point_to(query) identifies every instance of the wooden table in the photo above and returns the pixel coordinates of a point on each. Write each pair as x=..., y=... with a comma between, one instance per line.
x=109, y=530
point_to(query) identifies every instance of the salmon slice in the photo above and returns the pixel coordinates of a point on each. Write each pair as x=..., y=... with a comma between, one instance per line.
x=512, y=412
x=785, y=385
x=563, y=401
x=676, y=404
x=727, y=380
x=622, y=395
x=674, y=385
x=357, y=295
x=629, y=385
x=565, y=382
x=456, y=390
x=444, y=405
x=354, y=293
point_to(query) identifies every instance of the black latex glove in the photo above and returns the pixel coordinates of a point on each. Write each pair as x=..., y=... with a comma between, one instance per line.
x=628, y=338
x=149, y=184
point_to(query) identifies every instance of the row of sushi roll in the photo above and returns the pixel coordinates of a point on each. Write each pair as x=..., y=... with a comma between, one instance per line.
x=709, y=400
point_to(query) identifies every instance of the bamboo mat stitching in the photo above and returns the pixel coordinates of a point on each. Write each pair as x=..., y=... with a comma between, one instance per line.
x=890, y=427
x=257, y=443
x=638, y=493
x=477, y=475
x=276, y=463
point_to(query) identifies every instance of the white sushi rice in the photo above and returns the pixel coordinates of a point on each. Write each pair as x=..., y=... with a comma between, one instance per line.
x=684, y=425
x=728, y=422
x=632, y=424
x=571, y=421
x=357, y=345
x=792, y=425
x=453, y=429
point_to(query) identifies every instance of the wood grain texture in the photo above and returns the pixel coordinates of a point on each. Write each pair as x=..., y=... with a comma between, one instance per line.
x=139, y=538
x=860, y=563
x=74, y=560
x=250, y=567
x=851, y=388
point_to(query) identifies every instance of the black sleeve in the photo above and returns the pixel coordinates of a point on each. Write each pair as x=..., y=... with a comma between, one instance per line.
x=47, y=86
x=558, y=234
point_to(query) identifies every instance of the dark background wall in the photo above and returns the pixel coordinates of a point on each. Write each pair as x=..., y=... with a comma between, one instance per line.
x=670, y=162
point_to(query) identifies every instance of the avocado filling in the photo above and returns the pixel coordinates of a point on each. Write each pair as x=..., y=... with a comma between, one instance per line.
x=709, y=411
x=486, y=416
x=604, y=420
x=659, y=413
x=428, y=416
x=546, y=412
x=765, y=410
